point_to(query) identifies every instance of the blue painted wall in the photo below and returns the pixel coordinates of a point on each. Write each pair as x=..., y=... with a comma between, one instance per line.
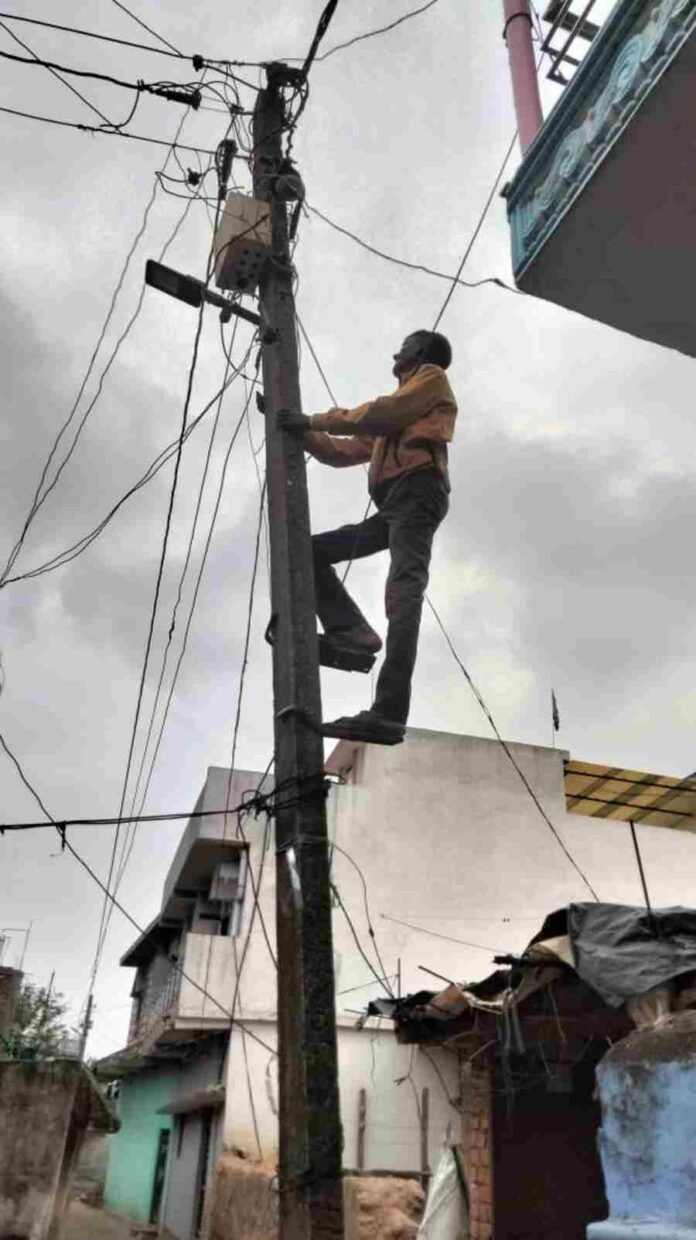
x=133, y=1154
x=647, y=1086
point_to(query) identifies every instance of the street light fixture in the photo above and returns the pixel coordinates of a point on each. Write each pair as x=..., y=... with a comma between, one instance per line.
x=194, y=292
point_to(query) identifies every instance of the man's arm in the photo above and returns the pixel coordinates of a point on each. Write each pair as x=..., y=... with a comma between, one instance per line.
x=387, y=415
x=338, y=452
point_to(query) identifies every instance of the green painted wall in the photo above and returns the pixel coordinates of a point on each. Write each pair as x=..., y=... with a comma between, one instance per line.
x=133, y=1152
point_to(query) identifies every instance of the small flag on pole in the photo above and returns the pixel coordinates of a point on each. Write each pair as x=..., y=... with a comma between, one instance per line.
x=554, y=712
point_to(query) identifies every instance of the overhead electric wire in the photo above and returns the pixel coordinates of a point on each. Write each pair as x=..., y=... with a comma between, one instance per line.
x=91, y=34
x=371, y=34
x=197, y=61
x=322, y=27
x=494, y=951
x=57, y=824
x=42, y=494
x=183, y=574
x=71, y=553
x=508, y=752
x=139, y=21
x=53, y=69
x=402, y=262
x=474, y=688
x=189, y=622
x=167, y=89
x=153, y=614
x=108, y=133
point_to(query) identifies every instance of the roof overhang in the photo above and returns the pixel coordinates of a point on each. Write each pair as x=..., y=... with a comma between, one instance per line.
x=210, y=1099
x=597, y=791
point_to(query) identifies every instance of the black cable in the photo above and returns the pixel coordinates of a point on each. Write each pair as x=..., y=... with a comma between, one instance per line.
x=247, y=633
x=192, y=607
x=182, y=580
x=370, y=34
x=402, y=262
x=475, y=233
x=40, y=496
x=65, y=843
x=482, y=703
x=153, y=611
x=322, y=27
x=494, y=951
x=53, y=69
x=145, y=26
x=172, y=91
x=509, y=753
x=71, y=553
x=90, y=34
x=110, y=133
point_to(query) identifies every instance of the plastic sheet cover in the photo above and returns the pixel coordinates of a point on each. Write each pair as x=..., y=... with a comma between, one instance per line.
x=622, y=951
x=445, y=1216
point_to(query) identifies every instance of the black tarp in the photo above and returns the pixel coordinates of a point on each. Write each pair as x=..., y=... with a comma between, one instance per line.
x=621, y=950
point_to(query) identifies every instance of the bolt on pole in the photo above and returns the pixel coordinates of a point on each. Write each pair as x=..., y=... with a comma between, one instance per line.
x=310, y=1136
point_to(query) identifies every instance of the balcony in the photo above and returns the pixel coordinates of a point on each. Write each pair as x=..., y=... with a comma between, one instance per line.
x=603, y=207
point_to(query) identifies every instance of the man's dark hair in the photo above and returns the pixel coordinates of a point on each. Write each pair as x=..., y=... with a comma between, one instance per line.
x=436, y=348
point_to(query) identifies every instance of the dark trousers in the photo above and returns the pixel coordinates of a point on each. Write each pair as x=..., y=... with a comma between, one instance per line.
x=410, y=508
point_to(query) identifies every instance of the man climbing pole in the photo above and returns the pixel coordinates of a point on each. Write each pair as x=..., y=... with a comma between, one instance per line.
x=404, y=437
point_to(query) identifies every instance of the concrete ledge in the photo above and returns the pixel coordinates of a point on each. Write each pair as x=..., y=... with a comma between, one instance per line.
x=636, y=1229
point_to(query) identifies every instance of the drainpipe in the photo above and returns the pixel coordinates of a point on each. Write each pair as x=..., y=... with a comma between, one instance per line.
x=517, y=33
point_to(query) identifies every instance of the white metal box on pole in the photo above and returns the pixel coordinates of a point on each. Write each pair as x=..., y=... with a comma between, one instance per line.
x=242, y=243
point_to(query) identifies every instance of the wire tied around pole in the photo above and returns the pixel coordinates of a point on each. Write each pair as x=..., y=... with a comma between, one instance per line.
x=513, y=18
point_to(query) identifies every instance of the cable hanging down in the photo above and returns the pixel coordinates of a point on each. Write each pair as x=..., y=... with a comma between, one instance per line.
x=190, y=95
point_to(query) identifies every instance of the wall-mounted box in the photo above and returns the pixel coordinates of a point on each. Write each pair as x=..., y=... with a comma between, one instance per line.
x=242, y=243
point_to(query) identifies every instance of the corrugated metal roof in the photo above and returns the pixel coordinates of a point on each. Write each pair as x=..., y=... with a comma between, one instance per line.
x=630, y=796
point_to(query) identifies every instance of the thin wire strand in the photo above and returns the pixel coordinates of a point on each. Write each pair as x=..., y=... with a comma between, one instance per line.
x=371, y=34
x=402, y=262
x=52, y=69
x=107, y=133
x=138, y=20
x=513, y=761
x=88, y=869
x=90, y=34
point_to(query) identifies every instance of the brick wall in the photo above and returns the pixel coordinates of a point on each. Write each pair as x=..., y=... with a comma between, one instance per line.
x=476, y=1140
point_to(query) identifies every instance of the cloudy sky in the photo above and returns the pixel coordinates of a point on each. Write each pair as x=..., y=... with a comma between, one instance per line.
x=564, y=561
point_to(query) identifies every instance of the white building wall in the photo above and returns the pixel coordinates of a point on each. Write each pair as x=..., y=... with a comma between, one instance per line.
x=448, y=840
x=392, y=1076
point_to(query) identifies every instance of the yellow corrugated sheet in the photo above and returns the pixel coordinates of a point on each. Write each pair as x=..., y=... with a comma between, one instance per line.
x=630, y=796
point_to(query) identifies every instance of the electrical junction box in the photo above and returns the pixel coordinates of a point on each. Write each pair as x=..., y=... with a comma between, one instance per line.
x=242, y=243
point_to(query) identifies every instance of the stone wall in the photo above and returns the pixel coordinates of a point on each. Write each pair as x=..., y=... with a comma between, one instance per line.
x=243, y=1204
x=477, y=1145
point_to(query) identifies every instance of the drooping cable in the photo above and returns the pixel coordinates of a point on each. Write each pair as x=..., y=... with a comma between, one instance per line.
x=152, y=621
x=402, y=262
x=107, y=133
x=162, y=458
x=42, y=492
x=65, y=843
x=508, y=752
x=175, y=92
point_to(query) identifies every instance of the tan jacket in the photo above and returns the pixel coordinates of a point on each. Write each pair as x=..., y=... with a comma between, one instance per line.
x=407, y=430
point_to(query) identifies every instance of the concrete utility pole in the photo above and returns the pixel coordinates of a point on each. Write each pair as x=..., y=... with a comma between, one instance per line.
x=310, y=1155
x=86, y=1026
x=523, y=71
